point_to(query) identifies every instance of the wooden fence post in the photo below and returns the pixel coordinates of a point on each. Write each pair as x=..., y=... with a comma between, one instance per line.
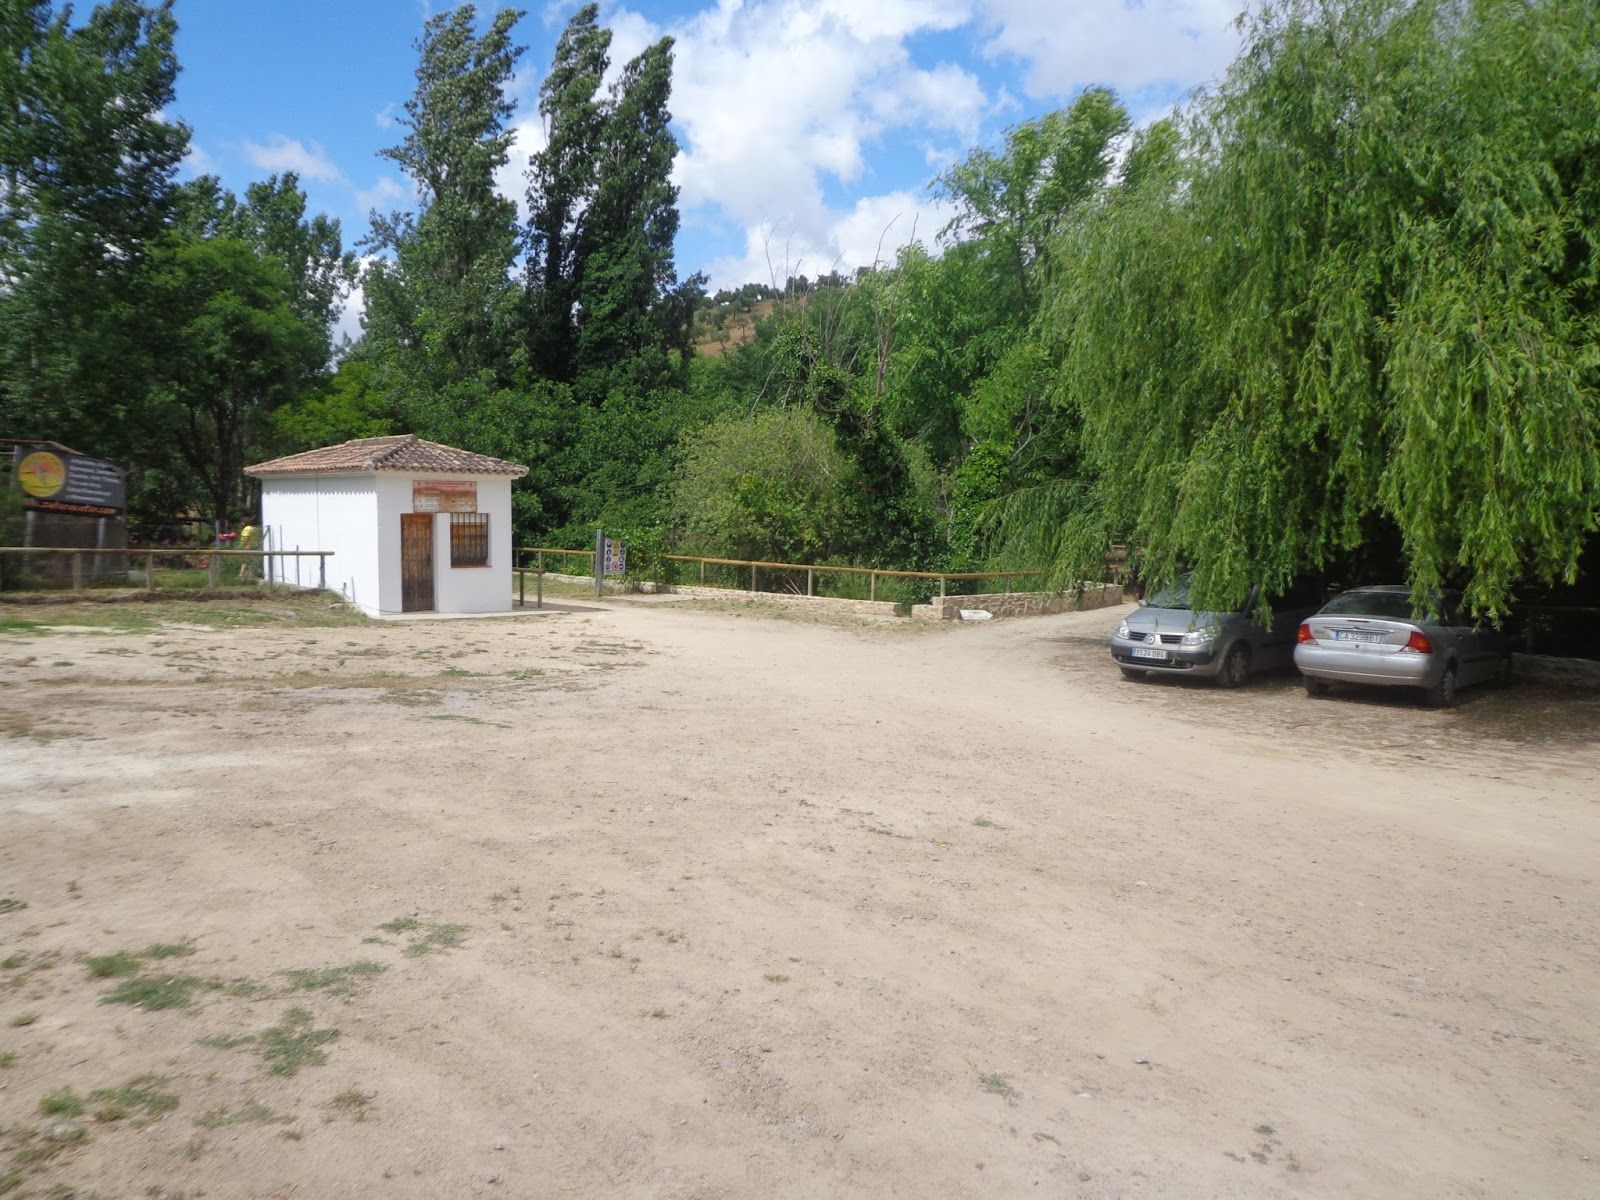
x=77, y=572
x=539, y=582
x=872, y=585
x=810, y=582
x=942, y=582
x=752, y=577
x=149, y=572
x=522, y=588
x=322, y=572
x=213, y=571
x=702, y=572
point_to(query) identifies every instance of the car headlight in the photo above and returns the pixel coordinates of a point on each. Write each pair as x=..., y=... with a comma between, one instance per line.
x=1122, y=631
x=1199, y=637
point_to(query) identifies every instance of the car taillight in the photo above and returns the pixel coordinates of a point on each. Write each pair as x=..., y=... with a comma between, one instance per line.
x=1419, y=642
x=1305, y=635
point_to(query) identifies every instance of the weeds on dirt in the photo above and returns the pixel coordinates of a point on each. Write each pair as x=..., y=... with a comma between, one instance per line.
x=426, y=937
x=8, y=1058
x=998, y=1085
x=131, y=962
x=9, y=904
x=155, y=993
x=253, y=1113
x=63, y=1103
x=24, y=1019
x=337, y=981
x=142, y=1093
x=353, y=1104
x=286, y=1047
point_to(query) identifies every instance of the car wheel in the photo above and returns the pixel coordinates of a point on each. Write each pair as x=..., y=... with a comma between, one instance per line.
x=1131, y=674
x=1443, y=693
x=1315, y=687
x=1235, y=670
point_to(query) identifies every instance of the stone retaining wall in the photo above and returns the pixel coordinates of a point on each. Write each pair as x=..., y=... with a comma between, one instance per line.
x=1000, y=604
x=1021, y=604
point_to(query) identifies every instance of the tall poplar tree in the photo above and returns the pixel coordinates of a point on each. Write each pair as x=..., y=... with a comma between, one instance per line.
x=442, y=308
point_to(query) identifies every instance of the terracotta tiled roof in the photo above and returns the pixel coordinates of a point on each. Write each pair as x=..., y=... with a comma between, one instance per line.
x=406, y=452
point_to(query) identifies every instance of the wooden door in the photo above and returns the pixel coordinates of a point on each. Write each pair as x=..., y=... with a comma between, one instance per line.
x=416, y=562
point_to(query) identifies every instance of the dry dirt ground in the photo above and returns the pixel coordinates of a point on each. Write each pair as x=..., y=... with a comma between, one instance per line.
x=655, y=900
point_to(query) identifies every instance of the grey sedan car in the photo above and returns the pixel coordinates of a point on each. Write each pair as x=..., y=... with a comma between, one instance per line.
x=1166, y=637
x=1370, y=635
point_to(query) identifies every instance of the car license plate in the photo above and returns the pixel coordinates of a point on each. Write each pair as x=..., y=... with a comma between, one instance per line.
x=1356, y=635
x=1149, y=652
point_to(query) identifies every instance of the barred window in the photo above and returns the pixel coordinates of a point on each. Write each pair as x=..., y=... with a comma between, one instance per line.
x=469, y=539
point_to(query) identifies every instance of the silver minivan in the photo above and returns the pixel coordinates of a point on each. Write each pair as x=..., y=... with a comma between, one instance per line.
x=1167, y=637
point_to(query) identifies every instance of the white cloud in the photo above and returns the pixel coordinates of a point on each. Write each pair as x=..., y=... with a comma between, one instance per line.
x=381, y=195
x=197, y=162
x=280, y=153
x=1131, y=45
x=869, y=232
x=384, y=117
x=776, y=100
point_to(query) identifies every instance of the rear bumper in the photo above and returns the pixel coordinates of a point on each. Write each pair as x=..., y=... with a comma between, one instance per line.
x=1180, y=660
x=1394, y=669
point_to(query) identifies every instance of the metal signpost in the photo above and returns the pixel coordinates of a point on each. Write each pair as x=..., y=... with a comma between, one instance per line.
x=610, y=558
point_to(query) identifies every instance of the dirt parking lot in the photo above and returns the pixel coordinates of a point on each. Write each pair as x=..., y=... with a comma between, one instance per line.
x=693, y=901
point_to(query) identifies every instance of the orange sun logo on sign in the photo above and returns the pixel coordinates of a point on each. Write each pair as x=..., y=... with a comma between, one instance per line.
x=42, y=474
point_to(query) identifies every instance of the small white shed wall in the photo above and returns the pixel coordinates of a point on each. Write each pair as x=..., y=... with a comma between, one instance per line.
x=324, y=512
x=455, y=589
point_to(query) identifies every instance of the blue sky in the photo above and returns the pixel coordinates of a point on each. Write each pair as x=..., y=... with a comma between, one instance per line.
x=809, y=129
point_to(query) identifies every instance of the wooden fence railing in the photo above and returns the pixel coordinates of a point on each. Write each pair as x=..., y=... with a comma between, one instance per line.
x=127, y=556
x=812, y=570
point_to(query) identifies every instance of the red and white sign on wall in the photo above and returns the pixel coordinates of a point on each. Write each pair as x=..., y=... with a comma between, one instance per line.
x=444, y=495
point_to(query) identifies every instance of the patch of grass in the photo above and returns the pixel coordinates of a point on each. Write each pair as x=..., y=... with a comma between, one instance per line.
x=10, y=904
x=144, y=1093
x=286, y=1047
x=63, y=1103
x=340, y=981
x=293, y=1043
x=998, y=1085
x=985, y=823
x=24, y=1019
x=109, y=966
x=249, y=1114
x=168, y=950
x=776, y=978
x=12, y=961
x=131, y=962
x=7, y=1058
x=353, y=1104
x=427, y=937
x=154, y=993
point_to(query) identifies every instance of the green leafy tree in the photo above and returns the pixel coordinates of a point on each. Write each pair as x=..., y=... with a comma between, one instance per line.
x=87, y=160
x=1358, y=311
x=772, y=486
x=561, y=185
x=232, y=350
x=442, y=309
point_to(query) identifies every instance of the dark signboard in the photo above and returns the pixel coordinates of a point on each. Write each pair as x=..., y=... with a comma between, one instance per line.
x=54, y=479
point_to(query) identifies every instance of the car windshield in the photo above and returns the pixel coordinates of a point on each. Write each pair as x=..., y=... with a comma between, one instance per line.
x=1174, y=595
x=1388, y=606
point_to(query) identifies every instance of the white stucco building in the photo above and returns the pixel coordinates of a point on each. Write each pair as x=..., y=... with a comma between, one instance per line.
x=413, y=526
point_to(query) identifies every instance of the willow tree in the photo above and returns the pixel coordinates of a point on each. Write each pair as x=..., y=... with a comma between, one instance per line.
x=1357, y=304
